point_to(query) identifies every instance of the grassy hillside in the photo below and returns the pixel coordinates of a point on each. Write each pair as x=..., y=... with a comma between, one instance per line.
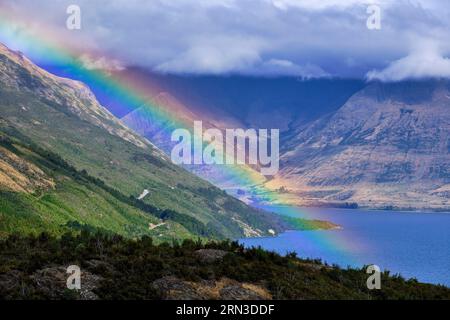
x=63, y=117
x=76, y=201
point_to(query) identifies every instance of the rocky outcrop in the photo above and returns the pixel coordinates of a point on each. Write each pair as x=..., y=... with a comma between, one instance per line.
x=210, y=255
x=172, y=288
x=19, y=175
x=52, y=282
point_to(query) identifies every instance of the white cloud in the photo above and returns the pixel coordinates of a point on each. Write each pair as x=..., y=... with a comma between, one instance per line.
x=281, y=63
x=217, y=55
x=101, y=63
x=286, y=67
x=426, y=62
x=325, y=4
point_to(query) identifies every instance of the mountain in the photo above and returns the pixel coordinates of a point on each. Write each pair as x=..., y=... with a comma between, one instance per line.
x=344, y=142
x=238, y=101
x=231, y=102
x=67, y=161
x=141, y=121
x=222, y=102
x=388, y=146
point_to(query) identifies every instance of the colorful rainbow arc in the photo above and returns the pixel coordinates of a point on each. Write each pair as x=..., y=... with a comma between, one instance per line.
x=129, y=94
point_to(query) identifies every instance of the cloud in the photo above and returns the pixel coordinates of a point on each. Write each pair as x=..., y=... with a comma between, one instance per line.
x=275, y=67
x=101, y=63
x=219, y=55
x=325, y=4
x=255, y=37
x=217, y=60
x=428, y=62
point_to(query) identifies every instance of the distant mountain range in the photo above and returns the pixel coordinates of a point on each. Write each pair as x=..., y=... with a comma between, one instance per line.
x=388, y=146
x=344, y=143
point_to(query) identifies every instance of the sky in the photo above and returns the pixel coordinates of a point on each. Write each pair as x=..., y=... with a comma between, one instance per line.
x=304, y=38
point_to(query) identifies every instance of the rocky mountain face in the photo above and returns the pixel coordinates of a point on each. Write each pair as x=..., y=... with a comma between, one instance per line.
x=18, y=73
x=388, y=146
x=65, y=158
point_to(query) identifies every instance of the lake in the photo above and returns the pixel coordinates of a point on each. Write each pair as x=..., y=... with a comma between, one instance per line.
x=416, y=245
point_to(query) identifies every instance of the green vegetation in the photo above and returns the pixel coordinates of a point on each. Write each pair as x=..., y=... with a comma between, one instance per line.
x=305, y=224
x=127, y=269
x=82, y=198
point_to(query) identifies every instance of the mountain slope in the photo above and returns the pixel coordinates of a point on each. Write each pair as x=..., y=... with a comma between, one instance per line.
x=387, y=147
x=40, y=192
x=63, y=117
x=142, y=122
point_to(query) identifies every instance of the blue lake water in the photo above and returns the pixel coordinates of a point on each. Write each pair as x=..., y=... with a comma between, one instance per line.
x=416, y=245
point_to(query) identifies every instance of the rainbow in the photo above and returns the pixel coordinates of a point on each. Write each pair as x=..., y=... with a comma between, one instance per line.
x=130, y=92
